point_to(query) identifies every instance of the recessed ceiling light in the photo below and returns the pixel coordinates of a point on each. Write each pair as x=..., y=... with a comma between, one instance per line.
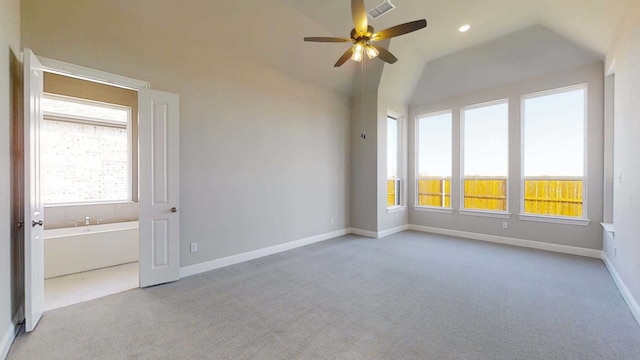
x=464, y=28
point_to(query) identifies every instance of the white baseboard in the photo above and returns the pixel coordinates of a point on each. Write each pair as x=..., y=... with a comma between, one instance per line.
x=9, y=336
x=236, y=259
x=565, y=249
x=624, y=290
x=366, y=233
x=392, y=231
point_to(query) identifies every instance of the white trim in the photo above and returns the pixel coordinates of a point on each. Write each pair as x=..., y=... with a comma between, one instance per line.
x=395, y=230
x=609, y=228
x=395, y=209
x=7, y=341
x=436, y=113
x=565, y=249
x=555, y=219
x=85, y=73
x=433, y=209
x=585, y=144
x=366, y=233
x=485, y=213
x=239, y=258
x=82, y=101
x=624, y=290
x=10, y=335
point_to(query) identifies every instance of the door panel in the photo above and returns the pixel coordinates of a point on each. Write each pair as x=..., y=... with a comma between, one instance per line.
x=33, y=210
x=159, y=158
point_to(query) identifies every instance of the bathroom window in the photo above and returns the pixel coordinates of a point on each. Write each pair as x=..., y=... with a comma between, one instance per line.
x=85, y=151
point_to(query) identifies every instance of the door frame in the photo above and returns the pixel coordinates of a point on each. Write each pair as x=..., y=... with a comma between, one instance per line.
x=85, y=73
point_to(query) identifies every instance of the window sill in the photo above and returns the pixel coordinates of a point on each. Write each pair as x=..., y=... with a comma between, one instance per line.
x=609, y=228
x=433, y=209
x=491, y=214
x=117, y=202
x=555, y=219
x=395, y=209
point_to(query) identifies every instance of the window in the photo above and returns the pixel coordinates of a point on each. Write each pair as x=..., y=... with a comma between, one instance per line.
x=85, y=151
x=553, y=155
x=434, y=160
x=393, y=161
x=485, y=156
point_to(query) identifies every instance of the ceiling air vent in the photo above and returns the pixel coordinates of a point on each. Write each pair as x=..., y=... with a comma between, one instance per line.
x=382, y=8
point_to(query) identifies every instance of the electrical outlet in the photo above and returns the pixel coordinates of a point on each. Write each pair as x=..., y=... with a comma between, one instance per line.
x=194, y=247
x=333, y=221
x=505, y=225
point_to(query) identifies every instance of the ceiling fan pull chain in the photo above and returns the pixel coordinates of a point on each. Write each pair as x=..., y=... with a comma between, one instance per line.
x=363, y=135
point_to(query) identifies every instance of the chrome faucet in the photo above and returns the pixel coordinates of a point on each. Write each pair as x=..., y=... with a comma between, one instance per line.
x=87, y=221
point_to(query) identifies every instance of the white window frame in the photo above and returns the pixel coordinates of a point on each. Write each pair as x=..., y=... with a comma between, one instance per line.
x=400, y=168
x=481, y=212
x=93, y=121
x=557, y=219
x=416, y=204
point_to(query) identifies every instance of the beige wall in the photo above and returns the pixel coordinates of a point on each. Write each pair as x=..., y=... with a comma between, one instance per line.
x=624, y=250
x=573, y=235
x=264, y=156
x=61, y=216
x=10, y=290
x=364, y=152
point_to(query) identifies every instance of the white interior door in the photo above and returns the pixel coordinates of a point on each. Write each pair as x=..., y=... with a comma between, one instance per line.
x=33, y=210
x=159, y=161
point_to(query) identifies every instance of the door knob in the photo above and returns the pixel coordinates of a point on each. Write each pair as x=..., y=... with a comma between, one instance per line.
x=173, y=209
x=34, y=223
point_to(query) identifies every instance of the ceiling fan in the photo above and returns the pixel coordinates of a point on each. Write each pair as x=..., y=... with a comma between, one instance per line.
x=363, y=35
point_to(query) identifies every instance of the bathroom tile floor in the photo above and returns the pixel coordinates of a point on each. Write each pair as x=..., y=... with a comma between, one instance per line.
x=75, y=288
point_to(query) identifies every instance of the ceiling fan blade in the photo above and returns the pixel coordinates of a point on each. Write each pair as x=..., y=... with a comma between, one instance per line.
x=359, y=14
x=343, y=59
x=326, y=39
x=385, y=55
x=399, y=30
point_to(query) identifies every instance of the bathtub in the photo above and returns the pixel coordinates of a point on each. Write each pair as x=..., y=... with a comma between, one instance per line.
x=78, y=249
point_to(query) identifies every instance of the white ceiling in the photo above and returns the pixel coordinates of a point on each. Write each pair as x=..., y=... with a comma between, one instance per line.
x=588, y=23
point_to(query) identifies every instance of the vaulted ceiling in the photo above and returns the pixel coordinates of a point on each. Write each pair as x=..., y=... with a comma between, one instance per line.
x=590, y=24
x=270, y=32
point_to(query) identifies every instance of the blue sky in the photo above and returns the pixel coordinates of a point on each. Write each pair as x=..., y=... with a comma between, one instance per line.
x=553, y=138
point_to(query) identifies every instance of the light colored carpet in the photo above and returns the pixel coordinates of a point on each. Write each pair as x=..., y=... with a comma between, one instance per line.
x=408, y=296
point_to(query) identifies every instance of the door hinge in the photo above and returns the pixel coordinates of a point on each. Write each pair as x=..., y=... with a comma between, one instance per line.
x=20, y=224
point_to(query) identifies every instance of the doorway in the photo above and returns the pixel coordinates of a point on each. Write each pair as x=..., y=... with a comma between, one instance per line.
x=89, y=189
x=158, y=178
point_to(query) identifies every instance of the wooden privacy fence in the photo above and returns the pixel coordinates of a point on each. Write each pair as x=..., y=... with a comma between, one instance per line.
x=434, y=191
x=485, y=193
x=553, y=196
x=561, y=196
x=393, y=192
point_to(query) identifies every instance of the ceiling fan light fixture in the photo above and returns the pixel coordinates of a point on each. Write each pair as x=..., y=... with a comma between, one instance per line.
x=358, y=52
x=363, y=36
x=372, y=52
